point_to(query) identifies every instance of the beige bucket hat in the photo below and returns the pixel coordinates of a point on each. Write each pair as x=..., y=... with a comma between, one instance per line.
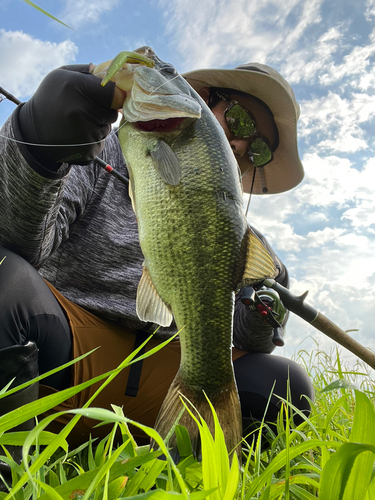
x=285, y=171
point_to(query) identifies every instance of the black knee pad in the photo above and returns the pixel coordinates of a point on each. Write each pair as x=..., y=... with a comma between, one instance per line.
x=259, y=374
x=30, y=312
x=23, y=292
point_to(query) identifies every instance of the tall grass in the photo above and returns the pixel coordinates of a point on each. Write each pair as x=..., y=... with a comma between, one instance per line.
x=329, y=456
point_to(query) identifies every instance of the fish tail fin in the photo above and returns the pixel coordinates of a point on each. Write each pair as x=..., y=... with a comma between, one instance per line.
x=226, y=405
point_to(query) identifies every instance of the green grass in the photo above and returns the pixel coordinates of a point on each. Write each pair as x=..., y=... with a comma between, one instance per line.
x=329, y=456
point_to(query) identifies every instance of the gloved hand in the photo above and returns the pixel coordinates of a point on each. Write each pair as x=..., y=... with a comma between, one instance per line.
x=69, y=107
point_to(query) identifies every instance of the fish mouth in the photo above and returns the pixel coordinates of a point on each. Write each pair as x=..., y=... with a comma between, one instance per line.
x=166, y=125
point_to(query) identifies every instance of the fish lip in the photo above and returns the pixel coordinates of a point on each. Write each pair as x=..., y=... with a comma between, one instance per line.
x=160, y=126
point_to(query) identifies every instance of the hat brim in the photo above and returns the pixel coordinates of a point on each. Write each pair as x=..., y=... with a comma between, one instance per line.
x=285, y=171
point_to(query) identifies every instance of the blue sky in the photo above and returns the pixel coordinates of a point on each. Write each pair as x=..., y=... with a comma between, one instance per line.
x=324, y=229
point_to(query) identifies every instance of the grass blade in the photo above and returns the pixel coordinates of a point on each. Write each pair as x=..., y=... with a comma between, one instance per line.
x=51, y=492
x=18, y=438
x=279, y=461
x=338, y=469
x=145, y=478
x=47, y=13
x=31, y=410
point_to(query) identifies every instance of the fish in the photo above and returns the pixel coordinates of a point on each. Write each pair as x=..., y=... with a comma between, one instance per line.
x=198, y=248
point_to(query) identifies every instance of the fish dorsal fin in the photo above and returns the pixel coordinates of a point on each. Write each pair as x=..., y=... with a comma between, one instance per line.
x=149, y=304
x=259, y=262
x=166, y=163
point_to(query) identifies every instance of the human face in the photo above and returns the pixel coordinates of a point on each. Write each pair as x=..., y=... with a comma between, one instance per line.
x=265, y=127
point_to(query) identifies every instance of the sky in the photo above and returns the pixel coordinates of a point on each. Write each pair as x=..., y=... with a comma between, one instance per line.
x=324, y=229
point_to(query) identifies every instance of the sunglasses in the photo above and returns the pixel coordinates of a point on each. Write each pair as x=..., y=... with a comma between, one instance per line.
x=242, y=124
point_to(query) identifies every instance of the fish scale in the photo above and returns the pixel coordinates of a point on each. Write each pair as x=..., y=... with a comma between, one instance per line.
x=192, y=261
x=187, y=196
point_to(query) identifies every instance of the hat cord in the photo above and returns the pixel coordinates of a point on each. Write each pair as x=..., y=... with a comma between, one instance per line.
x=263, y=180
x=251, y=191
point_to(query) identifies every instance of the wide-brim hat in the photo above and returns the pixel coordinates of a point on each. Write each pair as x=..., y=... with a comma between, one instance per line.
x=285, y=171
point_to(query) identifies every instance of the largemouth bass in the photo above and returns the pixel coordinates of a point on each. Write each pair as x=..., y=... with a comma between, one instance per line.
x=198, y=249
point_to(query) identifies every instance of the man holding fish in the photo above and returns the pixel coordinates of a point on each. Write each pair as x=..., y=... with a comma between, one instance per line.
x=63, y=215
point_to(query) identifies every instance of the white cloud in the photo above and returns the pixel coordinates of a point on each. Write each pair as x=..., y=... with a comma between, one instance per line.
x=359, y=242
x=25, y=60
x=363, y=215
x=319, y=238
x=340, y=279
x=317, y=217
x=354, y=63
x=370, y=9
x=308, y=62
x=270, y=216
x=335, y=122
x=80, y=12
x=329, y=181
x=366, y=81
x=315, y=61
x=310, y=15
x=337, y=181
x=212, y=33
x=348, y=144
x=363, y=106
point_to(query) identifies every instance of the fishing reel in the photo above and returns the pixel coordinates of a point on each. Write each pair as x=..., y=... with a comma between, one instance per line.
x=267, y=303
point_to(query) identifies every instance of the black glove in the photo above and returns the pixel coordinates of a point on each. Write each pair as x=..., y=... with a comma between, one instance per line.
x=69, y=107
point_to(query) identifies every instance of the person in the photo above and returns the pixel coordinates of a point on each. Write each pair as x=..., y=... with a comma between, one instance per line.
x=71, y=261
x=271, y=102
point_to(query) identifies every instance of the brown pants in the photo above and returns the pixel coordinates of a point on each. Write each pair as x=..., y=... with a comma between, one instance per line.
x=115, y=344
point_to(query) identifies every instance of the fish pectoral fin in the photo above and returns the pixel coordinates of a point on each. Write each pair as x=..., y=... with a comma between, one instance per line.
x=259, y=262
x=149, y=305
x=166, y=163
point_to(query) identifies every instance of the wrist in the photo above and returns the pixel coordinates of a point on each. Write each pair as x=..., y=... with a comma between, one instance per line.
x=33, y=155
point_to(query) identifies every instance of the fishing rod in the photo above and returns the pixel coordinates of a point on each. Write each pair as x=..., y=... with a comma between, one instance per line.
x=9, y=96
x=104, y=165
x=263, y=302
x=111, y=170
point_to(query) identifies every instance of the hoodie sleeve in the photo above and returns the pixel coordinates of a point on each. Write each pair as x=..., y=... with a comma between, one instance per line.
x=31, y=222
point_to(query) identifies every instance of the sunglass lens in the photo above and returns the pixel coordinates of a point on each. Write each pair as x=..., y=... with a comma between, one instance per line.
x=260, y=154
x=239, y=122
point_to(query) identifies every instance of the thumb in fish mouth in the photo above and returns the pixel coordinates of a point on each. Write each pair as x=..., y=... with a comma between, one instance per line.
x=118, y=98
x=119, y=95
